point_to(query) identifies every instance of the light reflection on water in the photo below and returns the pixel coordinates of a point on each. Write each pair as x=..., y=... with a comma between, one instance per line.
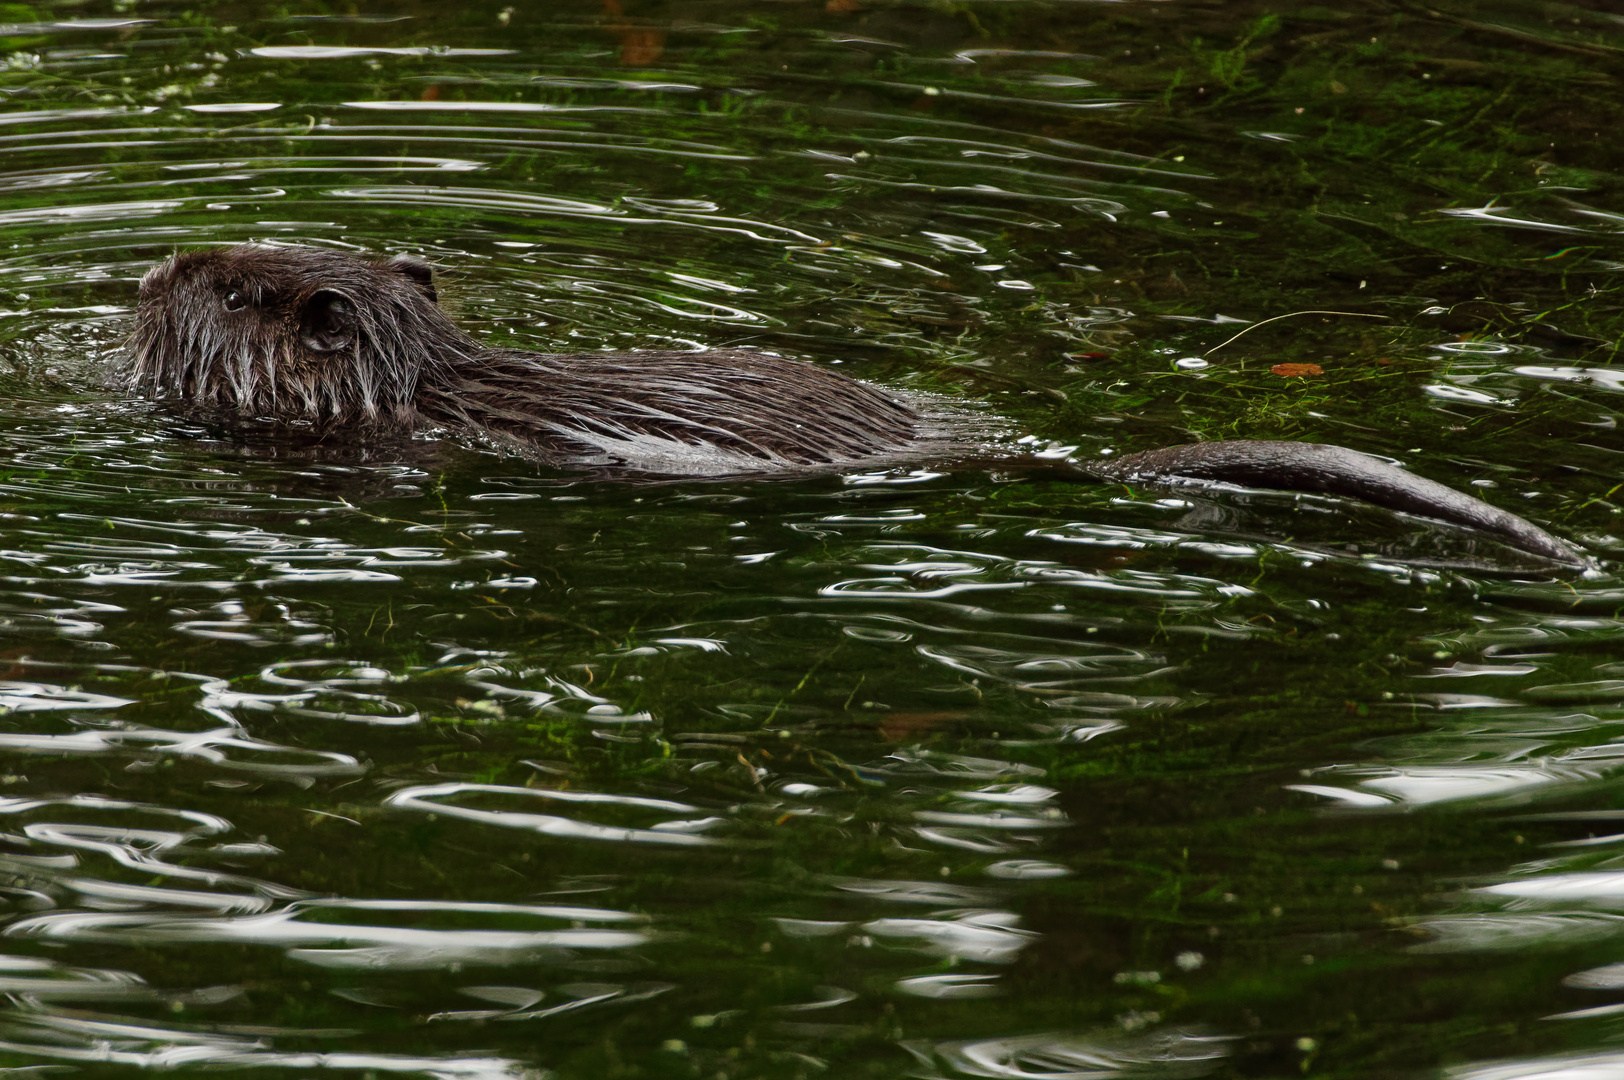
x=415, y=760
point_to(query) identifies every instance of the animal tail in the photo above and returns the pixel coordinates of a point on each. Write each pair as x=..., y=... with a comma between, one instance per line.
x=1335, y=470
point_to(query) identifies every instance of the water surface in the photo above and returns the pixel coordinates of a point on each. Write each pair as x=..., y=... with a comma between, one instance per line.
x=364, y=761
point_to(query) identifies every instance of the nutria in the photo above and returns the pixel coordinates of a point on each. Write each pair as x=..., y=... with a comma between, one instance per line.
x=338, y=343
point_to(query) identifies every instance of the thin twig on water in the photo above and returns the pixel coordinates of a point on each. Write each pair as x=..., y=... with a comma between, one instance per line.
x=1288, y=315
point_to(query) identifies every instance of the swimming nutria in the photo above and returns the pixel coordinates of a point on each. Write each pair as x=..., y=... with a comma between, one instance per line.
x=326, y=339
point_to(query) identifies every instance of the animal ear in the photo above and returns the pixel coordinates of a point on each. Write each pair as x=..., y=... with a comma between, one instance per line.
x=420, y=272
x=328, y=323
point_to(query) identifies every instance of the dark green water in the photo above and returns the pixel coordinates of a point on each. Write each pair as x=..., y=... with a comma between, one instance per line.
x=363, y=764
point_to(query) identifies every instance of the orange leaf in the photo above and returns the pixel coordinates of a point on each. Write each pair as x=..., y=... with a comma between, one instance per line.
x=640, y=46
x=897, y=726
x=1296, y=371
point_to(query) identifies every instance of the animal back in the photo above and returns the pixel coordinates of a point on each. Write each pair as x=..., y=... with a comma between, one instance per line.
x=714, y=412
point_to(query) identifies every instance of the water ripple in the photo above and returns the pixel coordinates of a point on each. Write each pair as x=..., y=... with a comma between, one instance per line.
x=1058, y=1056
x=143, y=1044
x=672, y=828
x=364, y=935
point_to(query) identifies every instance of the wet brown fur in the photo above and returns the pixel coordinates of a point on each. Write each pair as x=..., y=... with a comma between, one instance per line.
x=342, y=343
x=349, y=346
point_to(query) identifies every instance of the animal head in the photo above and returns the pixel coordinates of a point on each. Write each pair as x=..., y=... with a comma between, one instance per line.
x=290, y=333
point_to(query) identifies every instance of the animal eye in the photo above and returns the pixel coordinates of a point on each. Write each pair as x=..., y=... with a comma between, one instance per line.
x=234, y=300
